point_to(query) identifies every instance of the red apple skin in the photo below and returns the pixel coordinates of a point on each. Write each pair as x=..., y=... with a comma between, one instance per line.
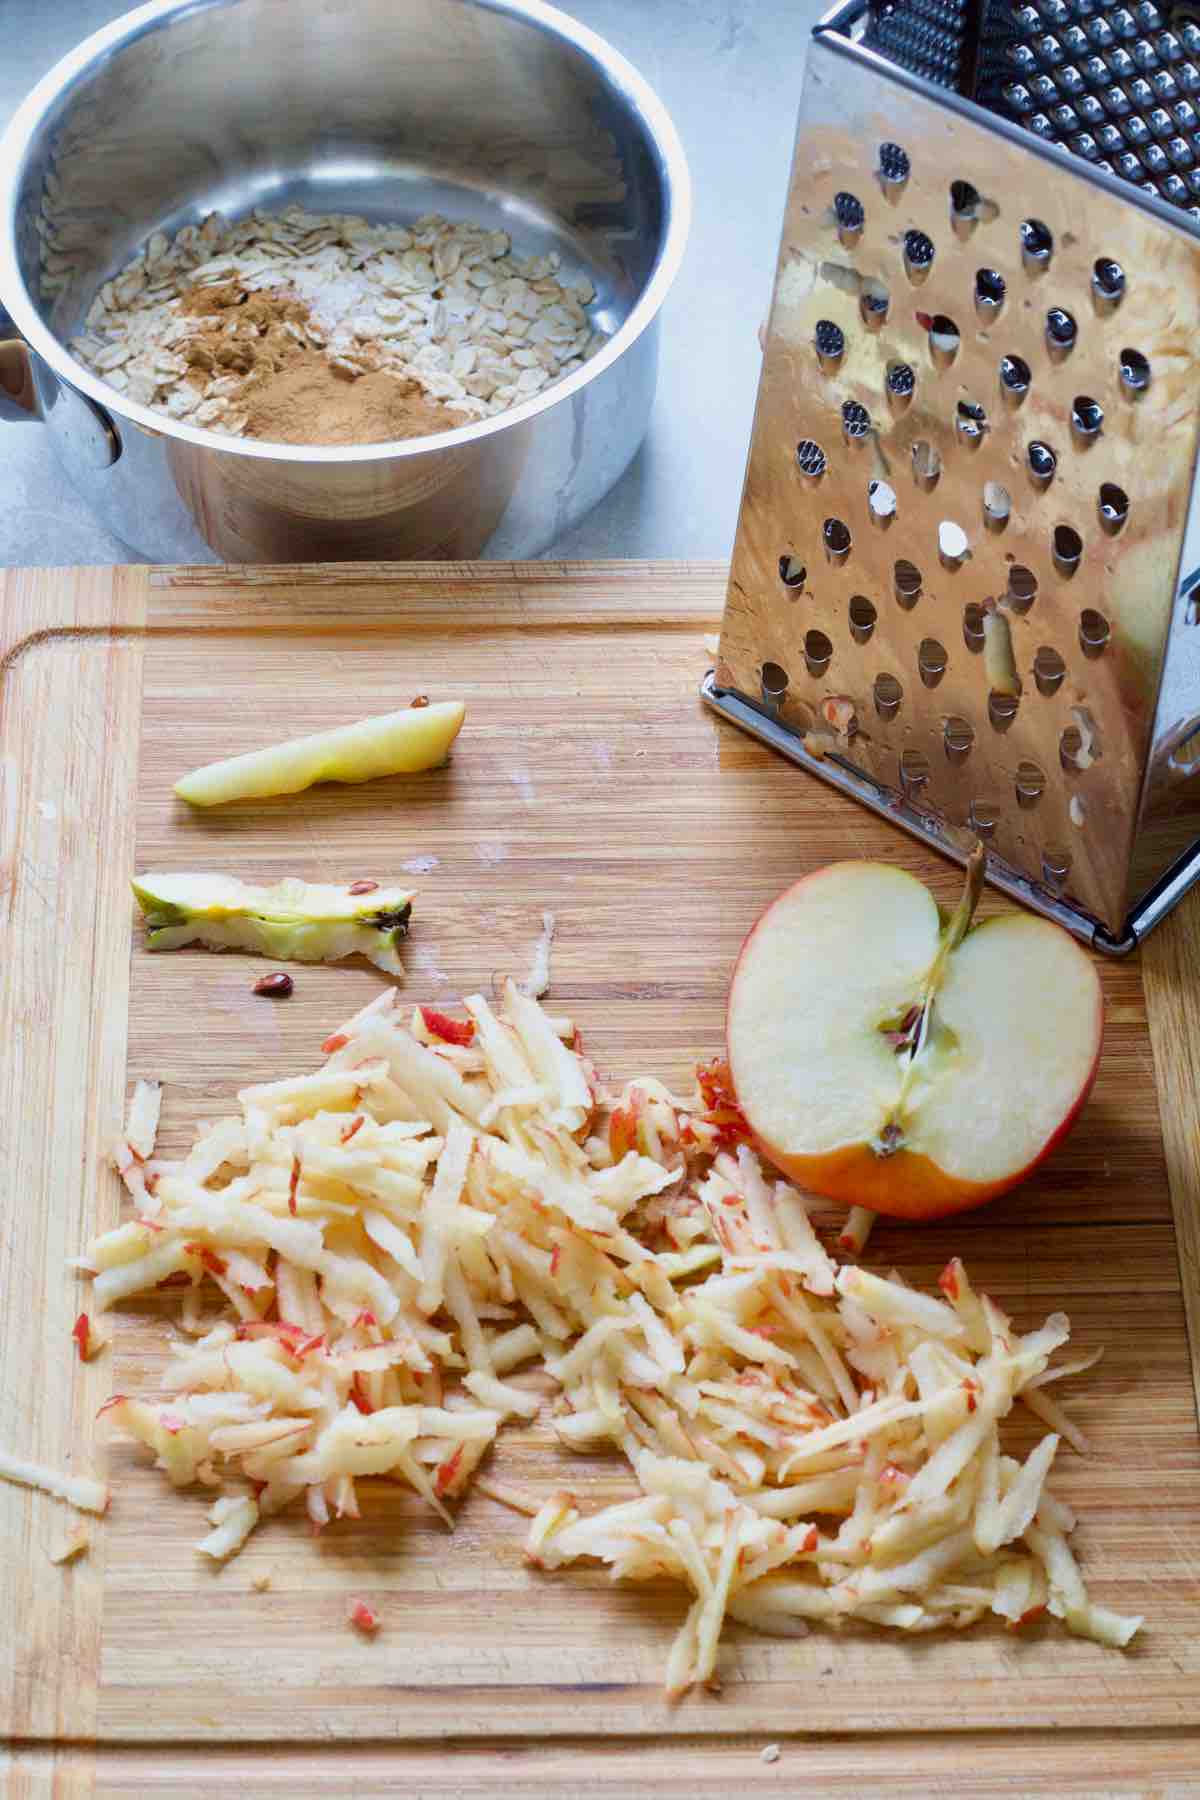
x=905, y=1185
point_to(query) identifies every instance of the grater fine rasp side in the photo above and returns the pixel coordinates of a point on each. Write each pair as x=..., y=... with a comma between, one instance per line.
x=957, y=578
x=1119, y=85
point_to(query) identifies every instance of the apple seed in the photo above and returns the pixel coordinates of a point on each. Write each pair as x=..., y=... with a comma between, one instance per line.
x=275, y=987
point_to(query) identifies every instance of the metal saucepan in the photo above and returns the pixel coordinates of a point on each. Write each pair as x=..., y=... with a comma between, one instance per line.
x=501, y=111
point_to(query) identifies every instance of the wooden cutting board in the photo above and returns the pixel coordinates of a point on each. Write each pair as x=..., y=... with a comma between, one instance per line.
x=588, y=780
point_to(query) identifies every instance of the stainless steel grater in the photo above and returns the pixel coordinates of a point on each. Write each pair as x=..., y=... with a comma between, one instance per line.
x=966, y=579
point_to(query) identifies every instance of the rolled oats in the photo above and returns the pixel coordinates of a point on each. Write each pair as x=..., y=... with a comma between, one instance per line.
x=449, y=305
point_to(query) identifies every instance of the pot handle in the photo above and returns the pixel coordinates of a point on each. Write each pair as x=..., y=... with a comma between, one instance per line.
x=18, y=399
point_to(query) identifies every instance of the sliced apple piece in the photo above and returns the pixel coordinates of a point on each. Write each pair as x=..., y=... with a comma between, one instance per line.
x=399, y=743
x=894, y=1059
x=296, y=921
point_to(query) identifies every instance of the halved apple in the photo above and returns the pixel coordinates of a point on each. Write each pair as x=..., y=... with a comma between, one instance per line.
x=890, y=1057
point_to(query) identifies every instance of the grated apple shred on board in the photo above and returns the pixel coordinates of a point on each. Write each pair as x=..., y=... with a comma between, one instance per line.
x=134, y=1148
x=537, y=982
x=391, y=1237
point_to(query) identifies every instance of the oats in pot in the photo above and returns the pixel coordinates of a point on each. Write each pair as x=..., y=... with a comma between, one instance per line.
x=447, y=308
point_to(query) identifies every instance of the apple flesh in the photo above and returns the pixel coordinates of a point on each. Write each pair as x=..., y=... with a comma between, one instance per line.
x=296, y=921
x=399, y=743
x=890, y=1058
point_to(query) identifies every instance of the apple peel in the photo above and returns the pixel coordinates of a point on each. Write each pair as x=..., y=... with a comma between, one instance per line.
x=901, y=1062
x=399, y=743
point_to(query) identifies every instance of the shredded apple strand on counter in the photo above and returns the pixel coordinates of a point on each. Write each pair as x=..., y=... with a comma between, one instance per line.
x=445, y=1202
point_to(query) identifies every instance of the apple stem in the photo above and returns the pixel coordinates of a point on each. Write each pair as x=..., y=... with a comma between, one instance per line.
x=960, y=919
x=891, y=1134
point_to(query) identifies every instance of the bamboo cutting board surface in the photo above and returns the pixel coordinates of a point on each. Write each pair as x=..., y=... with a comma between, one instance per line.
x=588, y=780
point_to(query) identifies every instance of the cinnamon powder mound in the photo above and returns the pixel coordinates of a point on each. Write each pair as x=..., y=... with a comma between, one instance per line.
x=239, y=332
x=309, y=402
x=287, y=389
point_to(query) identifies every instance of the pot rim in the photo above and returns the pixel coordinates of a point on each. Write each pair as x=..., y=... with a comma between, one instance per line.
x=634, y=89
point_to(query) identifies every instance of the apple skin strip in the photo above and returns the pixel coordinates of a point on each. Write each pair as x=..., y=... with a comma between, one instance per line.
x=405, y=742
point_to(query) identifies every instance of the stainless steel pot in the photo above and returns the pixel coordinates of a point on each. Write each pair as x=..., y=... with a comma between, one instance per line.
x=503, y=111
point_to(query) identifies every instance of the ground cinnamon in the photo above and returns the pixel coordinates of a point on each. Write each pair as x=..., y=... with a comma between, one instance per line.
x=241, y=332
x=288, y=390
x=306, y=401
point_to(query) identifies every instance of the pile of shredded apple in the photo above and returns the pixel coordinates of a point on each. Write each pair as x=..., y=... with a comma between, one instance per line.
x=446, y=1202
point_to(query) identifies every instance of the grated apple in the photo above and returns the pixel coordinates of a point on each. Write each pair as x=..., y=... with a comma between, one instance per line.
x=386, y=1248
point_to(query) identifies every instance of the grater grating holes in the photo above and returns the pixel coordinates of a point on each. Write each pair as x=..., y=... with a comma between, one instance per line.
x=1002, y=709
x=1094, y=632
x=1022, y=589
x=829, y=342
x=1134, y=371
x=1087, y=420
x=862, y=618
x=945, y=338
x=1048, y=670
x=1089, y=746
x=973, y=627
x=1029, y=784
x=1041, y=461
x=836, y=536
x=970, y=423
x=983, y=817
x=1061, y=331
x=888, y=695
x=792, y=571
x=1037, y=245
x=958, y=739
x=997, y=505
x=874, y=303
x=774, y=678
x=881, y=502
x=926, y=464
x=810, y=459
x=900, y=382
x=1056, y=866
x=918, y=253
x=1015, y=377
x=850, y=214
x=818, y=652
x=932, y=661
x=894, y=166
x=1113, y=506
x=1067, y=549
x=856, y=421
x=964, y=202
x=953, y=544
x=908, y=582
x=914, y=771
x=1108, y=282
x=1070, y=750
x=990, y=290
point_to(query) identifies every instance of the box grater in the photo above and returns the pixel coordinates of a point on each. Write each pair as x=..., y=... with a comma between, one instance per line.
x=966, y=581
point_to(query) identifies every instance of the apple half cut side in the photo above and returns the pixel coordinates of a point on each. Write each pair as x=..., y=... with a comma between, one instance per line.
x=889, y=1057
